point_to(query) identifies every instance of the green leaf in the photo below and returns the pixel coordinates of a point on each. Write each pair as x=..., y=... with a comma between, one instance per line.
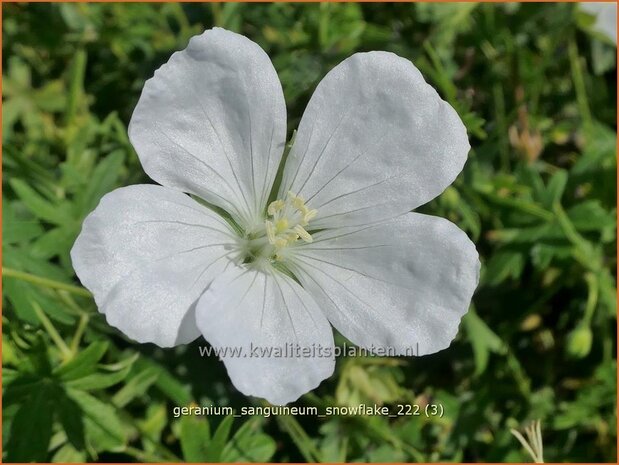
x=136, y=386
x=483, y=340
x=555, y=188
x=503, y=265
x=68, y=454
x=249, y=444
x=102, y=181
x=55, y=242
x=103, y=426
x=70, y=416
x=195, y=438
x=170, y=386
x=31, y=429
x=591, y=216
x=100, y=380
x=217, y=444
x=18, y=228
x=84, y=363
x=40, y=207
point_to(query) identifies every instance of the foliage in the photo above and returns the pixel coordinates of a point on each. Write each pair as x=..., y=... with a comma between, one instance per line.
x=536, y=90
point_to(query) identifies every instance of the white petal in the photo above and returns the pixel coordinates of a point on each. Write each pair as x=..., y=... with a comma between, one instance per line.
x=375, y=141
x=605, y=17
x=402, y=286
x=212, y=122
x=251, y=309
x=147, y=253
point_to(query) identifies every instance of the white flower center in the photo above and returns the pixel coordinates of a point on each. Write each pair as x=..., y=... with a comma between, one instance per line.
x=285, y=224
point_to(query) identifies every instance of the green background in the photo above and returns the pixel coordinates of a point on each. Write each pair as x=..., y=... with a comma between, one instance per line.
x=536, y=88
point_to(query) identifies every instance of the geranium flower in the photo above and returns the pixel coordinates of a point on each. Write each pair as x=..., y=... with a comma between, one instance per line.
x=337, y=246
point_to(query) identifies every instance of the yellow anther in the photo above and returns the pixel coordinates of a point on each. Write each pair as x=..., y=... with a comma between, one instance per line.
x=280, y=243
x=288, y=218
x=292, y=237
x=275, y=206
x=308, y=215
x=281, y=225
x=297, y=201
x=303, y=234
x=270, y=229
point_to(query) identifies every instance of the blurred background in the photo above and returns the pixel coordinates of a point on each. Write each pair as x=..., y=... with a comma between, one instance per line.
x=536, y=87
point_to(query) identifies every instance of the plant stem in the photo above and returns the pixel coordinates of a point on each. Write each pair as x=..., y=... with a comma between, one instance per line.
x=51, y=330
x=592, y=297
x=79, y=332
x=44, y=282
x=300, y=438
x=579, y=82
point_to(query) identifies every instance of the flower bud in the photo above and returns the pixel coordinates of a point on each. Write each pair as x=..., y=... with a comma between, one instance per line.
x=579, y=341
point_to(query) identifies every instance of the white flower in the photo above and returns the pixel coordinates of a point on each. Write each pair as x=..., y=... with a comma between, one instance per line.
x=375, y=142
x=605, y=14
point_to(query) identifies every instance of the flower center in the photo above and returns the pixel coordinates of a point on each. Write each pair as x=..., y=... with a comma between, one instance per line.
x=285, y=224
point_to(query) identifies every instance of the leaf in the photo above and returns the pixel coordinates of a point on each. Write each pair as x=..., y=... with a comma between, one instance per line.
x=483, y=340
x=70, y=416
x=18, y=228
x=554, y=190
x=103, y=426
x=543, y=254
x=249, y=444
x=155, y=421
x=83, y=363
x=99, y=380
x=171, y=387
x=599, y=151
x=102, y=181
x=591, y=216
x=68, y=454
x=136, y=386
x=502, y=265
x=195, y=438
x=55, y=242
x=217, y=444
x=40, y=207
x=31, y=429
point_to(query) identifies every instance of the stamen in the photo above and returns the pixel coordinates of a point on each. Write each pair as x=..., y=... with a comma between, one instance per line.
x=288, y=220
x=311, y=214
x=270, y=231
x=275, y=206
x=303, y=233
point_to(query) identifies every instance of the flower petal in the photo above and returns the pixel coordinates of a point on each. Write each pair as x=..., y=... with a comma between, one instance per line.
x=259, y=313
x=402, y=286
x=375, y=141
x=212, y=122
x=147, y=253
